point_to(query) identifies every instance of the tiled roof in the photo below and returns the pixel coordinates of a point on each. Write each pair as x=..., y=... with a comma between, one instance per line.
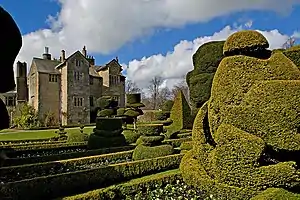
x=46, y=66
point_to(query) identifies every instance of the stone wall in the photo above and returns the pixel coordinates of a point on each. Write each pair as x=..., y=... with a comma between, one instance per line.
x=78, y=90
x=49, y=100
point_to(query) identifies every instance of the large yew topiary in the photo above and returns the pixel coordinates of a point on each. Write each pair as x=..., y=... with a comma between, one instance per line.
x=205, y=60
x=246, y=142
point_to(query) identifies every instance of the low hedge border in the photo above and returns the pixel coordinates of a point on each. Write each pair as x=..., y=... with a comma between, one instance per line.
x=21, y=143
x=31, y=160
x=54, y=186
x=38, y=147
x=47, y=166
x=57, y=127
x=133, y=186
x=176, y=142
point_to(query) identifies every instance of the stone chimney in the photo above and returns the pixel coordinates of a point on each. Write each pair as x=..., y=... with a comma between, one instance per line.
x=84, y=52
x=117, y=59
x=63, y=56
x=46, y=54
x=22, y=89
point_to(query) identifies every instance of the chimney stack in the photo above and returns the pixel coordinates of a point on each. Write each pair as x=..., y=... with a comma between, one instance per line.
x=117, y=59
x=84, y=52
x=46, y=55
x=63, y=56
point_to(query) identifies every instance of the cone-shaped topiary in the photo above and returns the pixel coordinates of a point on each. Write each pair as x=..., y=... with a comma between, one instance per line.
x=246, y=142
x=180, y=113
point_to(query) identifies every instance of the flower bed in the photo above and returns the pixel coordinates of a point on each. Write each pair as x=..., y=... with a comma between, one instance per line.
x=16, y=173
x=163, y=185
x=62, y=155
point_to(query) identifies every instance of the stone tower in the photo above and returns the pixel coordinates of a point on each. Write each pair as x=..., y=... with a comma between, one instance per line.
x=22, y=89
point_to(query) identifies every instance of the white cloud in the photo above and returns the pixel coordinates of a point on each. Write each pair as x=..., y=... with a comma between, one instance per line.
x=104, y=26
x=174, y=65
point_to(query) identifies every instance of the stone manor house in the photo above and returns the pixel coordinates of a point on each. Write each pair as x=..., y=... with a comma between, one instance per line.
x=66, y=88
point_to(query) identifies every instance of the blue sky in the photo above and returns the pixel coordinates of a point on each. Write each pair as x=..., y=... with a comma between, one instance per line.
x=31, y=16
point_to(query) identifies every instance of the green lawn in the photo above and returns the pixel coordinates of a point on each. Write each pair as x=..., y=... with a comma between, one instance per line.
x=12, y=134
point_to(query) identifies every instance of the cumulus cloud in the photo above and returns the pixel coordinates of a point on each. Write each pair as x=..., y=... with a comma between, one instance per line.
x=174, y=65
x=105, y=26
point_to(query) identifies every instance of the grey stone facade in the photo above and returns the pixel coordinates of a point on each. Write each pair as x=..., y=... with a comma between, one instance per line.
x=68, y=88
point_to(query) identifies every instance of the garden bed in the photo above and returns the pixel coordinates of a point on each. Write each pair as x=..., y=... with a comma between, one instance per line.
x=61, y=155
x=66, y=184
x=164, y=185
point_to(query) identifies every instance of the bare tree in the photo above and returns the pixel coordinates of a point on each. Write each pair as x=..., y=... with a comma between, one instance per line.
x=131, y=87
x=154, y=90
x=289, y=43
x=164, y=95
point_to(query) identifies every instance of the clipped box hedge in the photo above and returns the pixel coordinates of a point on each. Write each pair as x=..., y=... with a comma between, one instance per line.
x=64, y=156
x=44, y=146
x=121, y=190
x=28, y=142
x=37, y=169
x=54, y=186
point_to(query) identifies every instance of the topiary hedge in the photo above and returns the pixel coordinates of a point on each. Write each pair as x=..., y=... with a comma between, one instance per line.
x=131, y=136
x=142, y=152
x=245, y=138
x=180, y=113
x=150, y=129
x=97, y=142
x=205, y=61
x=293, y=54
x=244, y=41
x=108, y=124
x=82, y=181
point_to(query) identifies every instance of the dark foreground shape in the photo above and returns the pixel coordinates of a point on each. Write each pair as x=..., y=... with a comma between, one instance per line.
x=10, y=43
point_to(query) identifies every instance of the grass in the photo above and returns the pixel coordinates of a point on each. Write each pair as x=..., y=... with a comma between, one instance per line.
x=12, y=134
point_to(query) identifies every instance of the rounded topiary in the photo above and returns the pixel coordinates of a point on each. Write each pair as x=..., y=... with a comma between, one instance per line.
x=120, y=111
x=133, y=98
x=244, y=41
x=151, y=140
x=162, y=115
x=131, y=136
x=150, y=129
x=108, y=124
x=105, y=113
x=145, y=152
x=132, y=113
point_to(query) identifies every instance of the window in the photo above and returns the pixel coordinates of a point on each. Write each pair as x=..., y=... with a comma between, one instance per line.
x=53, y=77
x=91, y=101
x=10, y=101
x=78, y=101
x=91, y=80
x=78, y=75
x=77, y=63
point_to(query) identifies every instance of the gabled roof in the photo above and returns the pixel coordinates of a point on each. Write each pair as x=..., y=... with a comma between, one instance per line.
x=62, y=63
x=46, y=66
x=101, y=68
